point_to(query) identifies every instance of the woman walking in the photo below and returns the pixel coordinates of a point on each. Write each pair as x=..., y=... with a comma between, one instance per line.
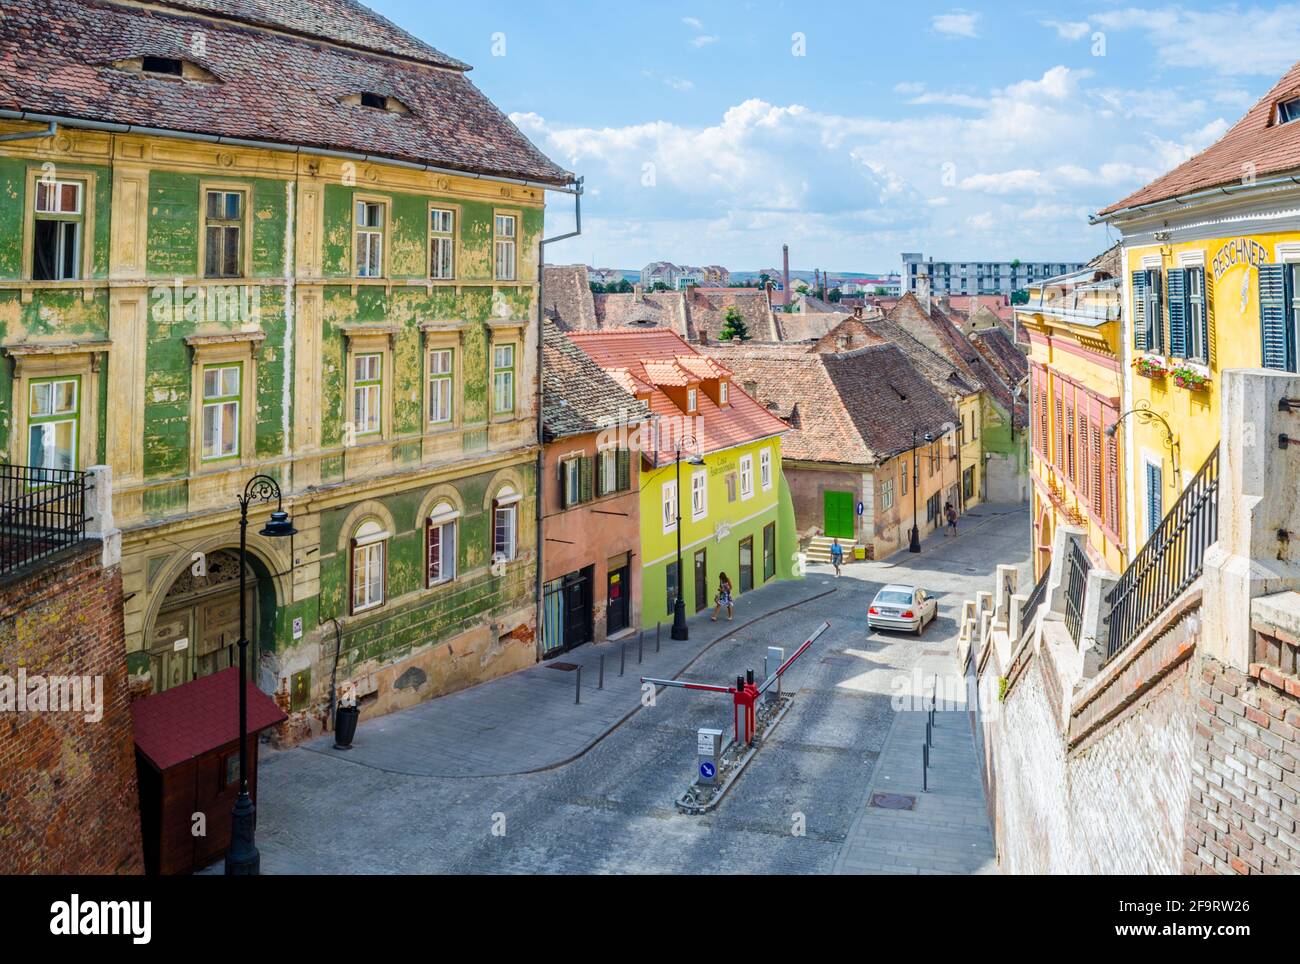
x=723, y=598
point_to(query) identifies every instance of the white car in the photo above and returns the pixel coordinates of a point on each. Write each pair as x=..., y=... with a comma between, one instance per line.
x=902, y=607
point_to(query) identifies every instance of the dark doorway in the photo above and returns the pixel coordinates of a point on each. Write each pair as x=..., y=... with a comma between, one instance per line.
x=746, y=564
x=577, y=608
x=618, y=592
x=701, y=579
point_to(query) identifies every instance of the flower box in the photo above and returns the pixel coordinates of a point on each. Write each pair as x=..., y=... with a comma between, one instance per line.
x=1191, y=379
x=1150, y=367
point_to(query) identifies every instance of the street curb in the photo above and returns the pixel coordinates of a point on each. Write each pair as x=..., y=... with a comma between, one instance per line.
x=586, y=749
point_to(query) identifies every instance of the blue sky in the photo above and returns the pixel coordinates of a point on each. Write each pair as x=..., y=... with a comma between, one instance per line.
x=713, y=132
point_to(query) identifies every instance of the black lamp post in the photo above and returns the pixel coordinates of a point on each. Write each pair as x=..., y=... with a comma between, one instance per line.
x=915, y=544
x=242, y=858
x=680, y=629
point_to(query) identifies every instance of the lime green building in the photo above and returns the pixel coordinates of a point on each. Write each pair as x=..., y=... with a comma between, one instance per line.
x=711, y=464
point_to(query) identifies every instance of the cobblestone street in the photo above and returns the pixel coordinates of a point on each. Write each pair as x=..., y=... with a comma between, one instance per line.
x=610, y=809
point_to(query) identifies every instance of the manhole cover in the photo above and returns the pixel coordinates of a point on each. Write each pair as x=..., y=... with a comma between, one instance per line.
x=893, y=801
x=567, y=667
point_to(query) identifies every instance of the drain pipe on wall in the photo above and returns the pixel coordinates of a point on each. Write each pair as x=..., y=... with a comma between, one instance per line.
x=541, y=448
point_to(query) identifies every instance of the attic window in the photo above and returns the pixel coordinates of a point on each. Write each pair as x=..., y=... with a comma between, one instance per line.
x=375, y=101
x=1288, y=110
x=168, y=66
x=378, y=101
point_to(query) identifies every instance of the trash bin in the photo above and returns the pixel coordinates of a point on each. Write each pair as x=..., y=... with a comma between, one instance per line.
x=859, y=552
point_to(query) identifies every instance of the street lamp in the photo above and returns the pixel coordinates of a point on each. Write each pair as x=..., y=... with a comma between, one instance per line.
x=915, y=544
x=680, y=630
x=1145, y=414
x=242, y=858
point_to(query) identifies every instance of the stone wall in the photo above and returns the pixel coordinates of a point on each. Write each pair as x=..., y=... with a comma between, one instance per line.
x=68, y=799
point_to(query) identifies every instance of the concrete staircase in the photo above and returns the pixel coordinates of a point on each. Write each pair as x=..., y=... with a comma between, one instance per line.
x=819, y=549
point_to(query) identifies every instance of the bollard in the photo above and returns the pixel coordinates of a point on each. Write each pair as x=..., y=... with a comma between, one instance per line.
x=577, y=686
x=659, y=628
x=622, y=657
x=929, y=735
x=925, y=768
x=640, y=647
x=600, y=680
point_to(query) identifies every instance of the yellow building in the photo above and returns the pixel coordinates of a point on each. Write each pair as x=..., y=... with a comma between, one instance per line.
x=1211, y=252
x=1076, y=393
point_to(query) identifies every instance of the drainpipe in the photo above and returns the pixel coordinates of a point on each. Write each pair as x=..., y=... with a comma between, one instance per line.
x=541, y=448
x=31, y=135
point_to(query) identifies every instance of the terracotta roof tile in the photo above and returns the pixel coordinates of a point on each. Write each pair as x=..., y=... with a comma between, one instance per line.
x=578, y=396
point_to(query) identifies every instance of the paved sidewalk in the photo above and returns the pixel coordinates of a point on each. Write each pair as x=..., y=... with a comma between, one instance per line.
x=947, y=830
x=528, y=721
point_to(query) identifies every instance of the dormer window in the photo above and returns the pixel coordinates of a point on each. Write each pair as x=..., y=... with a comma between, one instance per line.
x=374, y=101
x=377, y=101
x=168, y=66
x=724, y=393
x=165, y=68
x=691, y=398
x=1288, y=110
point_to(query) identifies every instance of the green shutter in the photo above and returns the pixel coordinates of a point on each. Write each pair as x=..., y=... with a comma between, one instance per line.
x=585, y=479
x=1177, y=288
x=624, y=469
x=1278, y=345
x=1140, y=341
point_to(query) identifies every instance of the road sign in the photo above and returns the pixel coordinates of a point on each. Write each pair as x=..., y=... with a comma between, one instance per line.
x=708, y=770
x=861, y=508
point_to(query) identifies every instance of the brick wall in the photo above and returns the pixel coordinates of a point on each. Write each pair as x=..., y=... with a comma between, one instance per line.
x=1245, y=779
x=68, y=799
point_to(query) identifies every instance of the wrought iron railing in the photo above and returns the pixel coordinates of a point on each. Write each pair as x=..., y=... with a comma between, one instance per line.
x=1035, y=600
x=1171, y=560
x=1076, y=582
x=41, y=511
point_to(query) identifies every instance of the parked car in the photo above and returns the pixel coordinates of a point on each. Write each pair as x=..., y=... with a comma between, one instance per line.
x=902, y=607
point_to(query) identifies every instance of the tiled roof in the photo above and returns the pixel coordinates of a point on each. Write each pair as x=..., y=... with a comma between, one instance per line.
x=57, y=57
x=806, y=325
x=1256, y=143
x=638, y=353
x=856, y=407
x=1001, y=353
x=189, y=720
x=854, y=333
x=655, y=309
x=708, y=310
x=566, y=295
x=578, y=397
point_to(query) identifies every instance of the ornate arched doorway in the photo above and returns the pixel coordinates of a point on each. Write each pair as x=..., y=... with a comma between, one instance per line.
x=196, y=631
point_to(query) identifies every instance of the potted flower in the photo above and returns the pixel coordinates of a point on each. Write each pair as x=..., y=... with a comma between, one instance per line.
x=1150, y=367
x=1191, y=379
x=345, y=718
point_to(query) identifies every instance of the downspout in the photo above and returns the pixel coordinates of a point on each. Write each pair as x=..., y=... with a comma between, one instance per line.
x=541, y=448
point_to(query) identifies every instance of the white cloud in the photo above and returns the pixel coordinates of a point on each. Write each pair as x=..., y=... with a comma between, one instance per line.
x=693, y=22
x=956, y=23
x=1020, y=181
x=1069, y=29
x=703, y=40
x=1231, y=40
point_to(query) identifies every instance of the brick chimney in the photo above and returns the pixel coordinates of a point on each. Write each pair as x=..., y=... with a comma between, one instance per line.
x=785, y=274
x=636, y=292
x=923, y=291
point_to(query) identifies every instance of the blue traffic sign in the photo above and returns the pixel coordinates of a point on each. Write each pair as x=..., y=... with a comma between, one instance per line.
x=861, y=508
x=708, y=770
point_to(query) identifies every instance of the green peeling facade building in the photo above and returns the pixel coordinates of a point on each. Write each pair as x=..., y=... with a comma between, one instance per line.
x=232, y=243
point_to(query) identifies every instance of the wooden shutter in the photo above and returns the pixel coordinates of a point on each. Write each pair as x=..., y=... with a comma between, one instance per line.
x=600, y=475
x=1278, y=342
x=624, y=470
x=1207, y=316
x=1155, y=310
x=1140, y=340
x=1060, y=420
x=1177, y=290
x=585, y=480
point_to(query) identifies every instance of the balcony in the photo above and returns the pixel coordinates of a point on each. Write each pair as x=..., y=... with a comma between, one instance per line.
x=41, y=512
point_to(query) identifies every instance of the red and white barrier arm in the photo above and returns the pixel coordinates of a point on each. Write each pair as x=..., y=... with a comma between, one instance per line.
x=795, y=655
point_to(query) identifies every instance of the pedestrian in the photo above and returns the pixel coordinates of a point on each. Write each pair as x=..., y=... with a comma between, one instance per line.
x=951, y=515
x=837, y=556
x=723, y=598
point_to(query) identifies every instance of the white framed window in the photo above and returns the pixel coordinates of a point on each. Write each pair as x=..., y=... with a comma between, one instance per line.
x=887, y=494
x=746, y=477
x=503, y=379
x=221, y=398
x=699, y=495
x=53, y=414
x=367, y=393
x=506, y=230
x=505, y=530
x=765, y=469
x=369, y=569
x=608, y=462
x=59, y=217
x=442, y=244
x=370, y=239
x=724, y=393
x=223, y=230
x=692, y=396
x=571, y=470
x=668, y=500
x=440, y=544
x=441, y=383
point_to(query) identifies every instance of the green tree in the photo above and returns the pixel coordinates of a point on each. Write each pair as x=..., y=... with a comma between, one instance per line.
x=1020, y=297
x=733, y=325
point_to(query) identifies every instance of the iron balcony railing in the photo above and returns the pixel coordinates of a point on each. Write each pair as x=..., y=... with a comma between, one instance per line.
x=1076, y=581
x=1033, y=602
x=1171, y=560
x=41, y=511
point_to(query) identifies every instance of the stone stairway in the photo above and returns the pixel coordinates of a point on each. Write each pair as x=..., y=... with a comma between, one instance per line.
x=819, y=549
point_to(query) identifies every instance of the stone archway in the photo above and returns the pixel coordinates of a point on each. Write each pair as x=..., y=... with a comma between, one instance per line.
x=195, y=629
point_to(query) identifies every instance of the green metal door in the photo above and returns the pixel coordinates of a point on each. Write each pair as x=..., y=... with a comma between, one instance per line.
x=838, y=514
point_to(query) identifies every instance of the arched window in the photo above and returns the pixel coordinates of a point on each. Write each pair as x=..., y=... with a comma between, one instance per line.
x=505, y=524
x=369, y=566
x=440, y=544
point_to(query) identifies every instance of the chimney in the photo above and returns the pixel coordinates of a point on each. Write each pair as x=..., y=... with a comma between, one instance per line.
x=785, y=275
x=944, y=305
x=857, y=311
x=636, y=292
x=923, y=291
